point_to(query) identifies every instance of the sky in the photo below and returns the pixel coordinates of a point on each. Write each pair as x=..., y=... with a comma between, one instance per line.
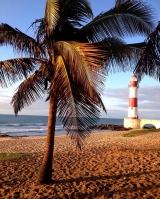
x=20, y=14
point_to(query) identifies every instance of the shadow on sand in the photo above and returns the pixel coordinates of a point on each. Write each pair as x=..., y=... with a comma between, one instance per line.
x=106, y=189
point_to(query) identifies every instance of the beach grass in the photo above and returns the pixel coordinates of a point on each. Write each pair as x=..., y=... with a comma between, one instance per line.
x=6, y=156
x=135, y=133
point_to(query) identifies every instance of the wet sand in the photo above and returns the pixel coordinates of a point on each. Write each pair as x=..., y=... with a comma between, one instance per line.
x=109, y=166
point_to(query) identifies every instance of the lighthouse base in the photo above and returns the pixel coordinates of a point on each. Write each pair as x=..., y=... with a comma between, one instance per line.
x=140, y=123
x=131, y=123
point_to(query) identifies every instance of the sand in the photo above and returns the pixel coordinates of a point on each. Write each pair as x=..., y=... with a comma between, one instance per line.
x=109, y=166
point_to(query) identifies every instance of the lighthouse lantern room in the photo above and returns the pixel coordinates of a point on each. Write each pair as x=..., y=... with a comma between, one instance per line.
x=132, y=109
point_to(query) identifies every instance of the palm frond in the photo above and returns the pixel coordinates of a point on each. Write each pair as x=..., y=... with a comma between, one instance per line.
x=121, y=56
x=93, y=57
x=85, y=63
x=128, y=18
x=39, y=27
x=149, y=63
x=14, y=70
x=76, y=11
x=28, y=92
x=51, y=15
x=20, y=42
x=74, y=104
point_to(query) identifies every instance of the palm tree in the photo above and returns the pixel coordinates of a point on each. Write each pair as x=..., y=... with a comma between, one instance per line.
x=68, y=59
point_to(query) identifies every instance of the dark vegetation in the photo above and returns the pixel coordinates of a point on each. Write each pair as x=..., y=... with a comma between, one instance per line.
x=139, y=132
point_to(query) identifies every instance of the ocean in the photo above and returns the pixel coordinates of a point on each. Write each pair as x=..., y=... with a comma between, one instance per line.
x=28, y=125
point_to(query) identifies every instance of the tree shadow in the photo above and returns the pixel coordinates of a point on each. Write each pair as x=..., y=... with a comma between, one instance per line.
x=105, y=190
x=102, y=177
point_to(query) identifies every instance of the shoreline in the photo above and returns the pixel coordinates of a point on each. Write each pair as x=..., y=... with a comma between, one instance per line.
x=108, y=166
x=7, y=137
x=111, y=138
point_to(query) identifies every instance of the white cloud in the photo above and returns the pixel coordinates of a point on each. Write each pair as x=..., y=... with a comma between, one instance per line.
x=148, y=102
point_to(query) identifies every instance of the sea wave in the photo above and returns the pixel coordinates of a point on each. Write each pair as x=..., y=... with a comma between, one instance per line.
x=29, y=132
x=16, y=129
x=23, y=124
x=37, y=125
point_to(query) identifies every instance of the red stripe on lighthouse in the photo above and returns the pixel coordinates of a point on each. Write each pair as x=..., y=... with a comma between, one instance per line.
x=132, y=102
x=133, y=84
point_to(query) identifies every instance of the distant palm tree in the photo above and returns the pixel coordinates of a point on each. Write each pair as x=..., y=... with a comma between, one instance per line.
x=69, y=58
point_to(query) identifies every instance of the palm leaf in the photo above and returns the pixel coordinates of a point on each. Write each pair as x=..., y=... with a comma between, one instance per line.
x=74, y=104
x=127, y=18
x=14, y=70
x=121, y=56
x=82, y=13
x=51, y=16
x=20, y=41
x=149, y=63
x=28, y=92
x=85, y=63
x=39, y=26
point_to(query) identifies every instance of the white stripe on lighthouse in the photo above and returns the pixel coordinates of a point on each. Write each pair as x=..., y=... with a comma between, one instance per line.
x=132, y=112
x=133, y=92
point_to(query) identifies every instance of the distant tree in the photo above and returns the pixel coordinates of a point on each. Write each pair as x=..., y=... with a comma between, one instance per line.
x=69, y=58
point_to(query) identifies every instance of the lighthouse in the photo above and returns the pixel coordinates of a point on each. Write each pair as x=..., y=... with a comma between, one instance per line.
x=133, y=106
x=133, y=121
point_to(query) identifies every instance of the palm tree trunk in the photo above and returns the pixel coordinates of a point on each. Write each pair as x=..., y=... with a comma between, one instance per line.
x=45, y=172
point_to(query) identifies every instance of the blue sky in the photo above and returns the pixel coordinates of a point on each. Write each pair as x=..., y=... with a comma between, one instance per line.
x=21, y=14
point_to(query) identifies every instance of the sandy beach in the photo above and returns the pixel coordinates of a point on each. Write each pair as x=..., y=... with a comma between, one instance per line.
x=108, y=167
